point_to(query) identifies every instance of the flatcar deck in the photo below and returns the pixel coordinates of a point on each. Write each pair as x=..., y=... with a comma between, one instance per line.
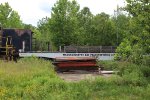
x=52, y=55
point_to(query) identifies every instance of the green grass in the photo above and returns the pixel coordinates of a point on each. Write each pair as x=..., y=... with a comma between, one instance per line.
x=31, y=78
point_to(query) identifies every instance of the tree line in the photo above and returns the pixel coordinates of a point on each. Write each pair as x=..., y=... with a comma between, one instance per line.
x=70, y=25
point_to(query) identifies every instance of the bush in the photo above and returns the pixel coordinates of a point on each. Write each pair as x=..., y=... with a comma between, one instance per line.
x=123, y=51
x=145, y=70
x=146, y=60
x=108, y=65
x=131, y=73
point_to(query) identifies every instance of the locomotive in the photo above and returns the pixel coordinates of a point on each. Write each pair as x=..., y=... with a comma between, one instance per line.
x=13, y=40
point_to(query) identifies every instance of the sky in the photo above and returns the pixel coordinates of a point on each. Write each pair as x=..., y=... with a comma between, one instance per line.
x=31, y=11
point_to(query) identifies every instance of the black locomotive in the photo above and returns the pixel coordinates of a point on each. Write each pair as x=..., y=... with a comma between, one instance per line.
x=14, y=40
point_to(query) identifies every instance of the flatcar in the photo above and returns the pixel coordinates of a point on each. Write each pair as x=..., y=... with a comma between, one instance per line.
x=18, y=43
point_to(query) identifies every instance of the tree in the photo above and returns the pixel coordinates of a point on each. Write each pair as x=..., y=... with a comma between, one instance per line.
x=43, y=36
x=121, y=24
x=85, y=21
x=103, y=30
x=9, y=18
x=43, y=27
x=64, y=23
x=139, y=29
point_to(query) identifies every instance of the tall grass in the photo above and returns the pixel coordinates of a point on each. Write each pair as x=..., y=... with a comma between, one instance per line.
x=32, y=78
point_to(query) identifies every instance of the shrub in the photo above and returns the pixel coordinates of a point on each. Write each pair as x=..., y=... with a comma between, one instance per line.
x=108, y=65
x=123, y=51
x=146, y=60
x=145, y=70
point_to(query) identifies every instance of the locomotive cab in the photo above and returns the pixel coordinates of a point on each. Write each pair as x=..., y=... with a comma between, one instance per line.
x=13, y=40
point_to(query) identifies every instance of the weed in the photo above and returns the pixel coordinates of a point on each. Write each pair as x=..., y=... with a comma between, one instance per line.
x=32, y=78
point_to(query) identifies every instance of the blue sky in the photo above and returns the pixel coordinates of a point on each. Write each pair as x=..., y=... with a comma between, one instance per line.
x=33, y=10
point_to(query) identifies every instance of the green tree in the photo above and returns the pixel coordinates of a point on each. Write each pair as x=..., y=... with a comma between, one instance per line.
x=64, y=23
x=43, y=27
x=103, y=30
x=140, y=23
x=121, y=24
x=139, y=29
x=85, y=21
x=44, y=35
x=9, y=18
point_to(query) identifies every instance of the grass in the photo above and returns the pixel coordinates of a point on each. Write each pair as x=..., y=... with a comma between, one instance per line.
x=32, y=78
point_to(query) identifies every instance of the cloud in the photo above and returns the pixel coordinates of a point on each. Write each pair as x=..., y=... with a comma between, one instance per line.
x=31, y=11
x=46, y=5
x=98, y=6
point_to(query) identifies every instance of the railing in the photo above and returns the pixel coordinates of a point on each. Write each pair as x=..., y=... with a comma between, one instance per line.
x=89, y=49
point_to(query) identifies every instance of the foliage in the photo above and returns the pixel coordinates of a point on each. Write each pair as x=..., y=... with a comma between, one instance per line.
x=24, y=78
x=146, y=60
x=139, y=34
x=32, y=78
x=63, y=22
x=103, y=30
x=43, y=35
x=123, y=51
x=121, y=25
x=43, y=27
x=130, y=72
x=108, y=65
x=85, y=18
x=9, y=18
x=70, y=26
